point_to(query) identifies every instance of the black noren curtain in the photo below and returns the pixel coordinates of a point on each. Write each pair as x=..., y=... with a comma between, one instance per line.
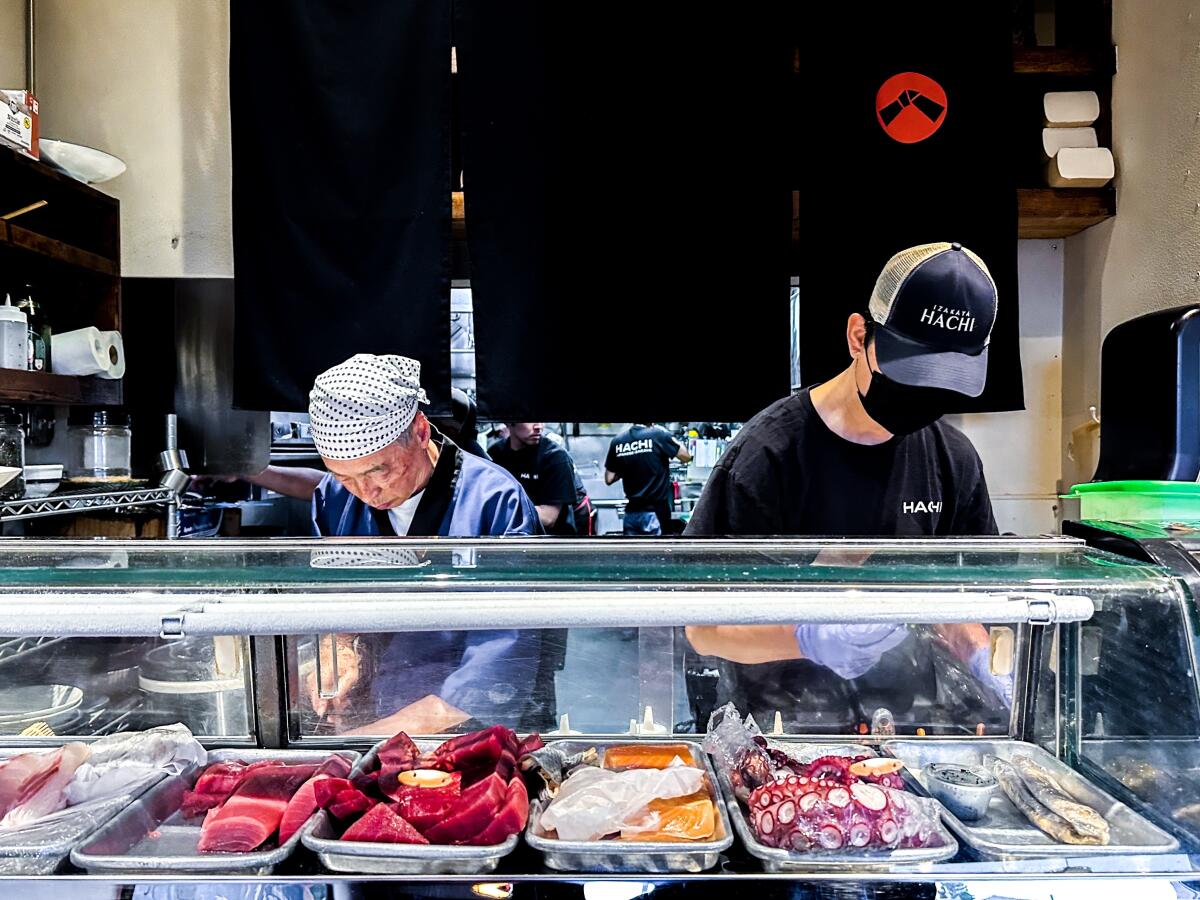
x=341, y=191
x=865, y=195
x=627, y=207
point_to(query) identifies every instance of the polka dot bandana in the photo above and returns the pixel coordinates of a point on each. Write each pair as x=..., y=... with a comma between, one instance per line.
x=363, y=405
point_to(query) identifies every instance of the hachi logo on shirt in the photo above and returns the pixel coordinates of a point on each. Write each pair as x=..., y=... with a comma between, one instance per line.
x=949, y=319
x=632, y=448
x=922, y=506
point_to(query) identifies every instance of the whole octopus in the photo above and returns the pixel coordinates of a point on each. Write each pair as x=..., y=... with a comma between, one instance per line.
x=823, y=806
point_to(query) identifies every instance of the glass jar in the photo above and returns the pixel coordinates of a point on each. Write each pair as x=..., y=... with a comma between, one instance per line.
x=12, y=454
x=100, y=445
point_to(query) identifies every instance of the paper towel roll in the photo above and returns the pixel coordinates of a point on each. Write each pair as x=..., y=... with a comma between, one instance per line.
x=114, y=351
x=80, y=352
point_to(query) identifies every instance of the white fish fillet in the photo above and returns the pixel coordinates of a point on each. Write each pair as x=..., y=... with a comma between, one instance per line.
x=43, y=790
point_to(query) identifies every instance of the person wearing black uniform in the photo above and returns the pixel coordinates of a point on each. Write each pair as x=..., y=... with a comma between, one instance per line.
x=544, y=469
x=640, y=457
x=862, y=455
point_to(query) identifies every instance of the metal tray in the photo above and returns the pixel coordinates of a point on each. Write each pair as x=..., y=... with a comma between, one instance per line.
x=42, y=846
x=1004, y=833
x=373, y=858
x=150, y=836
x=633, y=856
x=776, y=860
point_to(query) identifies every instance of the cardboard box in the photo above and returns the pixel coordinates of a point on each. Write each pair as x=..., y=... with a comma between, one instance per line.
x=19, y=121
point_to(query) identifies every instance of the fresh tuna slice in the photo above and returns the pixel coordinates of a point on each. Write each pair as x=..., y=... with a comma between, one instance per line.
x=424, y=807
x=351, y=803
x=254, y=811
x=511, y=819
x=21, y=773
x=398, y=754
x=476, y=760
x=464, y=740
x=531, y=743
x=479, y=805
x=301, y=807
x=382, y=825
x=326, y=789
x=216, y=784
x=44, y=791
x=367, y=782
x=507, y=764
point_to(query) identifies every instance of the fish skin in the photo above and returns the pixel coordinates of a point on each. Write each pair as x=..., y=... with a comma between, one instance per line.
x=1048, y=792
x=1051, y=823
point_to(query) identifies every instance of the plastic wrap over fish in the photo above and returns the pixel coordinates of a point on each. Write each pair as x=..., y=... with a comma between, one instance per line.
x=121, y=760
x=813, y=814
x=594, y=802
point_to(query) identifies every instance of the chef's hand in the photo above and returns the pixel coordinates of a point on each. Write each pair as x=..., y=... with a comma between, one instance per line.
x=429, y=715
x=848, y=650
x=349, y=666
x=1000, y=685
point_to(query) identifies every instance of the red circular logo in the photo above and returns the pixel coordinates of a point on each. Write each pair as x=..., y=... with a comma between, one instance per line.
x=910, y=107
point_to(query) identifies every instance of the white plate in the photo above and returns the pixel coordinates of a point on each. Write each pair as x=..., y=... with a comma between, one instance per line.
x=82, y=163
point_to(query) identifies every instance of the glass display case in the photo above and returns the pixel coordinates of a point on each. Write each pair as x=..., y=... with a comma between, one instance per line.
x=961, y=652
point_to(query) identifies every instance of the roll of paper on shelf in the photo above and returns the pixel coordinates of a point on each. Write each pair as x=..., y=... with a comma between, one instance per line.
x=1054, y=139
x=114, y=349
x=1081, y=167
x=80, y=352
x=1070, y=109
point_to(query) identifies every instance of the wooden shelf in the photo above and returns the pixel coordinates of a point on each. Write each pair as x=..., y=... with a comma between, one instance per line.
x=1064, y=61
x=1062, y=212
x=17, y=386
x=25, y=239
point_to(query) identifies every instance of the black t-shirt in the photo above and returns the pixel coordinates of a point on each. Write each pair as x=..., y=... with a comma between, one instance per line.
x=641, y=455
x=787, y=474
x=546, y=472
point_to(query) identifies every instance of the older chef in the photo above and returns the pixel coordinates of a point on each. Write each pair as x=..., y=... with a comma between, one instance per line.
x=392, y=474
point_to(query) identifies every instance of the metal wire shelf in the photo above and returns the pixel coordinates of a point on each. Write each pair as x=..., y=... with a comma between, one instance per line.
x=74, y=499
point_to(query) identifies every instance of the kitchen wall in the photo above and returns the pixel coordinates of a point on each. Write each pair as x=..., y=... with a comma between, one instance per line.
x=147, y=80
x=1021, y=450
x=12, y=44
x=1148, y=257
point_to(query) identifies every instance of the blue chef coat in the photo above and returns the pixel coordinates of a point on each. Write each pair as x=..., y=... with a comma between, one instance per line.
x=489, y=674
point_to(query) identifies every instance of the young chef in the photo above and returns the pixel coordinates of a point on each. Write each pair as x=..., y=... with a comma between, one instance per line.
x=391, y=474
x=865, y=455
x=544, y=469
x=640, y=456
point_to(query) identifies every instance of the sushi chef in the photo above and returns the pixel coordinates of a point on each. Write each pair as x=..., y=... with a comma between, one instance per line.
x=864, y=454
x=392, y=475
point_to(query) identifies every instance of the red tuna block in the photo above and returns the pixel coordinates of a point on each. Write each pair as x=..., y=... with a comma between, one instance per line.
x=326, y=789
x=424, y=807
x=351, y=803
x=254, y=811
x=511, y=819
x=216, y=784
x=398, y=754
x=475, y=811
x=367, y=782
x=382, y=825
x=531, y=743
x=464, y=740
x=301, y=807
x=476, y=759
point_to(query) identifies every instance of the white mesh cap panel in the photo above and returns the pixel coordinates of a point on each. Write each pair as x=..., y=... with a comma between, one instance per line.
x=894, y=274
x=900, y=266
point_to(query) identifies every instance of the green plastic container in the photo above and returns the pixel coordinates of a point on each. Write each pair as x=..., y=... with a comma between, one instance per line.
x=1138, y=501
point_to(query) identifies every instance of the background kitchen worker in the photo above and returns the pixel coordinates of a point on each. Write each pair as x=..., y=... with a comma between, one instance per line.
x=863, y=454
x=583, y=503
x=640, y=457
x=392, y=474
x=544, y=469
